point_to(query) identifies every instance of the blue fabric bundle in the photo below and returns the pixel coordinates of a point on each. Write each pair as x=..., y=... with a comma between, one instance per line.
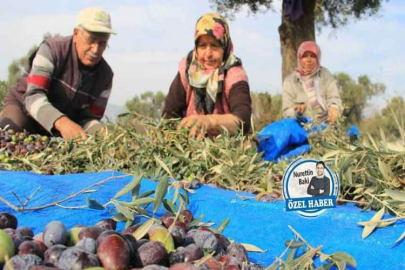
x=283, y=138
x=287, y=138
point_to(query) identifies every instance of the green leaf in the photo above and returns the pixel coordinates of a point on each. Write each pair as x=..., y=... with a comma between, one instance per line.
x=341, y=265
x=349, y=175
x=252, y=248
x=139, y=202
x=345, y=257
x=297, y=261
x=163, y=165
x=384, y=169
x=124, y=210
x=135, y=192
x=175, y=195
x=348, y=161
x=196, y=221
x=161, y=191
x=160, y=136
x=396, y=194
x=323, y=257
x=400, y=238
x=169, y=206
x=128, y=223
x=291, y=255
x=381, y=224
x=93, y=204
x=143, y=229
x=325, y=266
x=185, y=197
x=89, y=191
x=223, y=225
x=386, y=224
x=368, y=229
x=130, y=186
x=119, y=217
x=293, y=244
x=373, y=142
x=146, y=194
x=330, y=154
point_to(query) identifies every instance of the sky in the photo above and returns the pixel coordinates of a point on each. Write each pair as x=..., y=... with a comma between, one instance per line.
x=153, y=36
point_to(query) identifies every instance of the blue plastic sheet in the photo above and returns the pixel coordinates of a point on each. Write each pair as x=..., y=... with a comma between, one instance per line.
x=262, y=224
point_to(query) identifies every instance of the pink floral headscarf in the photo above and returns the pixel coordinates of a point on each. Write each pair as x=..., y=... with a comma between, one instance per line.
x=308, y=46
x=208, y=84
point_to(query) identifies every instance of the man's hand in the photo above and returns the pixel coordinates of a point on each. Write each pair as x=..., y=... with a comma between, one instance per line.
x=69, y=129
x=199, y=124
x=300, y=108
x=333, y=114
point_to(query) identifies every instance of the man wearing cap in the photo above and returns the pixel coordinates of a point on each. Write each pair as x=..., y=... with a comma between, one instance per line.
x=68, y=82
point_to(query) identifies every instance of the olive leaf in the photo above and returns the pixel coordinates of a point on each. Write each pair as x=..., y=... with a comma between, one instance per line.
x=196, y=221
x=139, y=202
x=129, y=187
x=223, y=225
x=146, y=194
x=252, y=248
x=143, y=229
x=163, y=165
x=124, y=210
x=293, y=244
x=396, y=194
x=167, y=204
x=369, y=228
x=161, y=191
x=345, y=257
x=400, y=238
x=93, y=204
x=291, y=255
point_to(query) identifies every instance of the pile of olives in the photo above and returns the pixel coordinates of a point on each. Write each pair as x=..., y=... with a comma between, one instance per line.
x=22, y=143
x=169, y=244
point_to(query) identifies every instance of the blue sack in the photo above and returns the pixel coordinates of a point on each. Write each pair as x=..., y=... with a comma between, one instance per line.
x=353, y=131
x=282, y=137
x=287, y=138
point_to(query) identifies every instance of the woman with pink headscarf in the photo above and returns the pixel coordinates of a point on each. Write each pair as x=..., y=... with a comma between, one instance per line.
x=311, y=89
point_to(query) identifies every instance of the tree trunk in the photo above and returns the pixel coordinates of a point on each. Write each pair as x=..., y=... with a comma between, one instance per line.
x=293, y=33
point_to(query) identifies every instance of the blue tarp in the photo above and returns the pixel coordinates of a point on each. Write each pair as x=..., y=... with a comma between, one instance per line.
x=262, y=224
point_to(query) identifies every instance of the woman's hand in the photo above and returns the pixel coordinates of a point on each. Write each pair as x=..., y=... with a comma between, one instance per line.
x=199, y=124
x=333, y=114
x=300, y=108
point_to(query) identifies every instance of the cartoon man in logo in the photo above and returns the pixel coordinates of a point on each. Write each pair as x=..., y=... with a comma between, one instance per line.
x=320, y=184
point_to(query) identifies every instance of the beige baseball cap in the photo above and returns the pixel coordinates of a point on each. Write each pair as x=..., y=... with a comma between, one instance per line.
x=94, y=19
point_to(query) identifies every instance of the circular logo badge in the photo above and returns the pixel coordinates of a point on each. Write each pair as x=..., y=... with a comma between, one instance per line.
x=309, y=187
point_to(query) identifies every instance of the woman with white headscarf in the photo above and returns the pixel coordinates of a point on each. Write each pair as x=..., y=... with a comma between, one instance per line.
x=311, y=89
